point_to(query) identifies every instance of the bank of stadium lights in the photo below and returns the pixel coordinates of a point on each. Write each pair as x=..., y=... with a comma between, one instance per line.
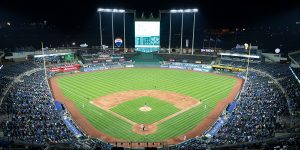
x=181, y=11
x=112, y=11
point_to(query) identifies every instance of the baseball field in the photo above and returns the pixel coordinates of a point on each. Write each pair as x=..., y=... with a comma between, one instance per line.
x=143, y=104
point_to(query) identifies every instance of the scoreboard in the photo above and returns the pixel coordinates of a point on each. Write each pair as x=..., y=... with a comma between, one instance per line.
x=151, y=41
x=147, y=35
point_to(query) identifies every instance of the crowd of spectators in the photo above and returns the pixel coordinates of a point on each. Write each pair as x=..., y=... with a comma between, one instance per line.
x=92, y=56
x=24, y=49
x=14, y=69
x=187, y=58
x=49, y=59
x=32, y=117
x=274, y=69
x=281, y=72
x=290, y=142
x=254, y=117
x=4, y=82
x=292, y=88
x=260, y=104
x=9, y=71
x=31, y=114
x=108, y=65
x=297, y=72
x=296, y=57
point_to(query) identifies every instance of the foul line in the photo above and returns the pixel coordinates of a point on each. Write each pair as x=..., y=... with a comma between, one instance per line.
x=155, y=123
x=107, y=110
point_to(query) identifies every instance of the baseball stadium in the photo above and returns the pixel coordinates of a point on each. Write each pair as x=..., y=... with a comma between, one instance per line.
x=143, y=86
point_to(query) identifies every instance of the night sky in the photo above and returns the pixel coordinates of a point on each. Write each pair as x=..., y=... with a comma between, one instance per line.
x=78, y=21
x=66, y=13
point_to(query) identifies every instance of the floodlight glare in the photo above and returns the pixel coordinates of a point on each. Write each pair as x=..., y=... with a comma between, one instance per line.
x=173, y=11
x=111, y=10
x=187, y=10
x=183, y=10
x=121, y=10
x=246, y=45
x=108, y=10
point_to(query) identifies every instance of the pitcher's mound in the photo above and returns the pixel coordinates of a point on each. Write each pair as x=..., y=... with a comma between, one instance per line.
x=145, y=108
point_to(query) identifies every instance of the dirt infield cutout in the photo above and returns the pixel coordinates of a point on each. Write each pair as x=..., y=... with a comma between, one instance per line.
x=180, y=101
x=111, y=100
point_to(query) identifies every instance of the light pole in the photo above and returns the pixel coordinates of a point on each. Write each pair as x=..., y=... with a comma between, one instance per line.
x=100, y=28
x=193, y=34
x=170, y=33
x=102, y=10
x=112, y=11
x=181, y=32
x=112, y=31
x=182, y=11
x=124, y=32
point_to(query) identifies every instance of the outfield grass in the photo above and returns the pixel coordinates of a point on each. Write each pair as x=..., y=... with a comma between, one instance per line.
x=208, y=88
x=130, y=110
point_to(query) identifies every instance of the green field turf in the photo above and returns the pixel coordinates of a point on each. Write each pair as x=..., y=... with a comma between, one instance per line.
x=130, y=110
x=82, y=88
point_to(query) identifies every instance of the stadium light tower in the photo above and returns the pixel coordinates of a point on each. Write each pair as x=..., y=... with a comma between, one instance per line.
x=182, y=11
x=112, y=11
x=170, y=33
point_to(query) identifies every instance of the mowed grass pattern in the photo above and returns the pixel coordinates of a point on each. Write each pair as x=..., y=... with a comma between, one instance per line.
x=82, y=88
x=130, y=110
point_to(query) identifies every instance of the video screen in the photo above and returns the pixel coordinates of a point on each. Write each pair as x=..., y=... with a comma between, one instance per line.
x=147, y=35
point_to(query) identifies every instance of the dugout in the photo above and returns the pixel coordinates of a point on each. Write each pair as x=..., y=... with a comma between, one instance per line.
x=139, y=145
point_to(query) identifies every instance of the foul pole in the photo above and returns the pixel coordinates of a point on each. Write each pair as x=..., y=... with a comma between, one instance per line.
x=248, y=62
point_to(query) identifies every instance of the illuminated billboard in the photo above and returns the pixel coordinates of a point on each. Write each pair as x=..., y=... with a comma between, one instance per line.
x=147, y=36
